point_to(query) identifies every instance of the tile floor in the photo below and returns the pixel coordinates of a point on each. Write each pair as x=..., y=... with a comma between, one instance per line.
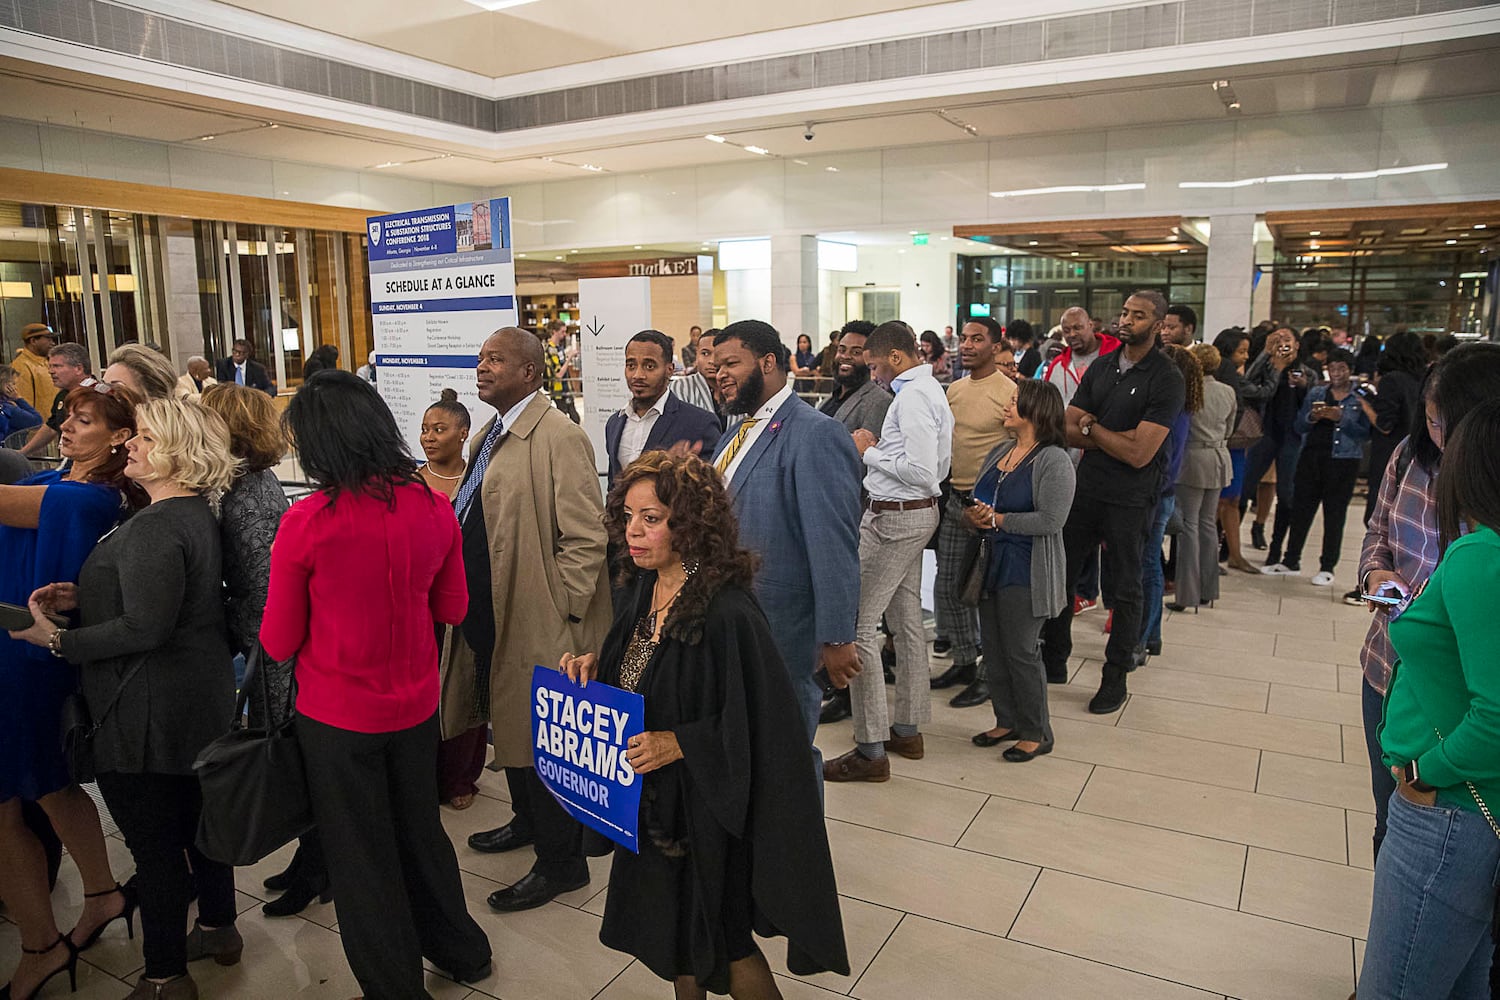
x=1210, y=840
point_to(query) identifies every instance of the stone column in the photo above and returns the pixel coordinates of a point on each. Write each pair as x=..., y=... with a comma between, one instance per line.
x=794, y=287
x=1229, y=286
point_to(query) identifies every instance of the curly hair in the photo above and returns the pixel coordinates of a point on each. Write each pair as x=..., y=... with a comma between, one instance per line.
x=701, y=519
x=1192, y=376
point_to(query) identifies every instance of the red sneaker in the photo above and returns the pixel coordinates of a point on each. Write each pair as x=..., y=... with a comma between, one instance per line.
x=1109, y=622
x=1082, y=604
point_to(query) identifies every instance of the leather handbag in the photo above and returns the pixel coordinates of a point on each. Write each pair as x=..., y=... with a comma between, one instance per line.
x=255, y=797
x=1248, y=430
x=972, y=569
x=79, y=728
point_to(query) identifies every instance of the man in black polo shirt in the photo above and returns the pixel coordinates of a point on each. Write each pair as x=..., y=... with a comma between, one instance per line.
x=1120, y=417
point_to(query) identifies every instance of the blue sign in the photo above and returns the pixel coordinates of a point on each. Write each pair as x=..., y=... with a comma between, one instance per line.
x=579, y=735
x=468, y=227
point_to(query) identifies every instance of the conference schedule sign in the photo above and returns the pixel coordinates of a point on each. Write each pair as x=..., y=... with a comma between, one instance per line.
x=441, y=281
x=579, y=735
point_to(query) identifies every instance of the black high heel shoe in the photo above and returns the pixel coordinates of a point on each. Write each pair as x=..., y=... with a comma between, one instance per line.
x=132, y=903
x=70, y=967
x=283, y=880
x=298, y=897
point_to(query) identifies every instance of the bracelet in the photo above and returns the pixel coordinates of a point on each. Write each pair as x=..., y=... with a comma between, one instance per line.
x=846, y=642
x=54, y=642
x=993, y=526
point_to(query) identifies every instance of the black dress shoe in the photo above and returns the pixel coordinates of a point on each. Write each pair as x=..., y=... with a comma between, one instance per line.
x=836, y=707
x=506, y=838
x=531, y=892
x=941, y=646
x=298, y=896
x=1154, y=648
x=984, y=739
x=474, y=974
x=1018, y=756
x=977, y=693
x=1057, y=676
x=959, y=673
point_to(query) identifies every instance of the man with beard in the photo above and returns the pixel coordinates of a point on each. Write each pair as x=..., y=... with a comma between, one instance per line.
x=1120, y=417
x=654, y=419
x=858, y=401
x=1180, y=326
x=793, y=475
x=977, y=403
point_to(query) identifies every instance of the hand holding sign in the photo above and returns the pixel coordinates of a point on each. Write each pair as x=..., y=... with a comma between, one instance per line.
x=649, y=751
x=579, y=669
x=581, y=741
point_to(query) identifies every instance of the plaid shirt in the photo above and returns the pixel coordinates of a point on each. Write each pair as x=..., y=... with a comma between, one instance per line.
x=1403, y=538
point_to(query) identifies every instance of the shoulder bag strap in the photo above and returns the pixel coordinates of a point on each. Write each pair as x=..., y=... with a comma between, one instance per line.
x=120, y=689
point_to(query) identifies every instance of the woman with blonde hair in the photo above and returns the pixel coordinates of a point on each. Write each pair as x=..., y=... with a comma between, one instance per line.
x=145, y=372
x=157, y=677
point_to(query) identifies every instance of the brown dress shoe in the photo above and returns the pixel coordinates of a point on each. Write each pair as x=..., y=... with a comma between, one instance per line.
x=855, y=766
x=909, y=747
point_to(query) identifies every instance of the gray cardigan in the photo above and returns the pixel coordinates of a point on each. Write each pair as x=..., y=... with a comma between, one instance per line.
x=865, y=408
x=1052, y=483
x=152, y=590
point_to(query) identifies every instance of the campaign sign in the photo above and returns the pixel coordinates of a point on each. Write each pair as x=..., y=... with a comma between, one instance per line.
x=578, y=736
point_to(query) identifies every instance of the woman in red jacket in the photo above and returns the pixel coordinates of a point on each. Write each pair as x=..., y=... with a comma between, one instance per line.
x=360, y=570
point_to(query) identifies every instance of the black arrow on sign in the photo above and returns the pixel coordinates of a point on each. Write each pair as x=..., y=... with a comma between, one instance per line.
x=595, y=327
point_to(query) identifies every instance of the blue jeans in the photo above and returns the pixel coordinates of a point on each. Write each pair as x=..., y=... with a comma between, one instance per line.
x=1372, y=706
x=1433, y=905
x=1153, y=583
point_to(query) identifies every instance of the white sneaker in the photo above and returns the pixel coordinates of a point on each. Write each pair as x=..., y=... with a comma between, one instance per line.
x=1280, y=569
x=1323, y=579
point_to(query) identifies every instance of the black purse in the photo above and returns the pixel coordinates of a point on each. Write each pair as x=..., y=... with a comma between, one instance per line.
x=79, y=728
x=255, y=797
x=972, y=569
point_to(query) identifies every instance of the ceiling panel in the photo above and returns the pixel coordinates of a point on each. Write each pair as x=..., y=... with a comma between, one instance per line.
x=141, y=118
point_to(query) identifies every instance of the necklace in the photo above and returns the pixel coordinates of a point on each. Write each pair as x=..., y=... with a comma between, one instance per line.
x=648, y=624
x=428, y=468
x=1015, y=458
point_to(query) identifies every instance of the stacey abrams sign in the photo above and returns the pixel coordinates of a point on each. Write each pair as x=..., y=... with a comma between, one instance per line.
x=579, y=736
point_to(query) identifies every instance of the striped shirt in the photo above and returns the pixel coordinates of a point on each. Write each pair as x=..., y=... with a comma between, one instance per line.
x=1402, y=538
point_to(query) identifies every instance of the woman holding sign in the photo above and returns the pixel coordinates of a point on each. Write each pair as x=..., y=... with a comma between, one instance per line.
x=732, y=838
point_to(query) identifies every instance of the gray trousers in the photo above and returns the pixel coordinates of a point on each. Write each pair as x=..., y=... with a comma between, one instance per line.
x=1013, y=663
x=890, y=583
x=955, y=622
x=1197, y=545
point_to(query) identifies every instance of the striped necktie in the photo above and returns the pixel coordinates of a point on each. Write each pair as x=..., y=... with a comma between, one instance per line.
x=734, y=446
x=476, y=472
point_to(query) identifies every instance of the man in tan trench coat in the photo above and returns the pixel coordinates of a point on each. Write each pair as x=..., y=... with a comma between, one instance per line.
x=534, y=553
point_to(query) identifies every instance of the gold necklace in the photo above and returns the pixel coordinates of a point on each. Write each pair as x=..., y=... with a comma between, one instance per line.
x=428, y=468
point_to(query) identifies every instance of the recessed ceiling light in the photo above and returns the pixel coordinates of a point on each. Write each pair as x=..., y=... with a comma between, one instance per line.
x=1068, y=189
x=758, y=150
x=206, y=138
x=1450, y=242
x=498, y=4
x=1183, y=250
x=591, y=168
x=387, y=163
x=832, y=170
x=1032, y=243
x=520, y=255
x=1313, y=245
x=800, y=163
x=637, y=246
x=912, y=232
x=1481, y=226
x=1315, y=232
x=1075, y=253
x=572, y=251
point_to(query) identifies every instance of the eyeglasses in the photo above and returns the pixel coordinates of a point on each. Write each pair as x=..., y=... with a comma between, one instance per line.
x=98, y=385
x=1008, y=365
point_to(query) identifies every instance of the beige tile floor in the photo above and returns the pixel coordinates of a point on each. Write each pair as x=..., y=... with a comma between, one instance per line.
x=1210, y=840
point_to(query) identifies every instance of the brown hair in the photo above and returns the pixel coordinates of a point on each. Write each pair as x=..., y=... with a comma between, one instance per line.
x=117, y=408
x=1209, y=358
x=704, y=530
x=1040, y=403
x=255, y=433
x=1192, y=376
x=157, y=376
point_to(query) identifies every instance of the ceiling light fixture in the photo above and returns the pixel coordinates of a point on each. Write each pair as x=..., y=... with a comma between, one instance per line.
x=1450, y=242
x=387, y=163
x=956, y=122
x=206, y=138
x=637, y=246
x=715, y=138
x=832, y=170
x=1355, y=175
x=1226, y=96
x=1481, y=226
x=1033, y=243
x=1315, y=232
x=498, y=4
x=591, y=168
x=1068, y=189
x=757, y=150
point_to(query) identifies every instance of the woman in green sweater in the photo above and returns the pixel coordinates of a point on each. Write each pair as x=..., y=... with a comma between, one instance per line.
x=1436, y=878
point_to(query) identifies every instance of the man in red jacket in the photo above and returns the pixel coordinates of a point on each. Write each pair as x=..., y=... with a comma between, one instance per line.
x=1084, y=348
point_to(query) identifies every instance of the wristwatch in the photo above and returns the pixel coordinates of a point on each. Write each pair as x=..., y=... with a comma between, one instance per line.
x=1409, y=773
x=1085, y=428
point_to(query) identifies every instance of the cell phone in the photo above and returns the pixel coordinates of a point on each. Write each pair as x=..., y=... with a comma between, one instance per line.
x=967, y=499
x=17, y=618
x=1387, y=600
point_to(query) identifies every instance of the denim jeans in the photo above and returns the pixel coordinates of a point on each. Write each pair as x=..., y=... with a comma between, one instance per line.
x=1382, y=785
x=1434, y=902
x=1153, y=583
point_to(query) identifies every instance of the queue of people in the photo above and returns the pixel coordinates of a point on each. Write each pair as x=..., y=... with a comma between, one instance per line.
x=714, y=577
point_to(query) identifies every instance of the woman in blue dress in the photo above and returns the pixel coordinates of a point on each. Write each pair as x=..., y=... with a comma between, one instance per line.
x=48, y=525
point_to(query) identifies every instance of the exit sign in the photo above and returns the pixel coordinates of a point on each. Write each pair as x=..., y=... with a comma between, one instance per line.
x=919, y=239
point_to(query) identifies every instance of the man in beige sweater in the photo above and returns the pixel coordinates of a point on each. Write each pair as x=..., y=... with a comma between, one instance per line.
x=977, y=402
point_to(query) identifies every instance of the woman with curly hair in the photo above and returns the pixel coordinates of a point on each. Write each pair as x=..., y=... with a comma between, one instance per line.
x=732, y=837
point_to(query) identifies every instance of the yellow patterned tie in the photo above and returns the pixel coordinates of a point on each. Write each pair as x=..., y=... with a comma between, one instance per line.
x=735, y=445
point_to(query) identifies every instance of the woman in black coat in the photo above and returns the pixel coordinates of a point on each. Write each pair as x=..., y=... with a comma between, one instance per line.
x=732, y=841
x=1392, y=406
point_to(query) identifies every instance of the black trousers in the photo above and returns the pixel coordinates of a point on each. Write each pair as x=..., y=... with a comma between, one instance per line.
x=1329, y=482
x=1122, y=531
x=558, y=836
x=396, y=885
x=158, y=814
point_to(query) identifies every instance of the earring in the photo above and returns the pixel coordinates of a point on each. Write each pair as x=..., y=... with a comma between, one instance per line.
x=114, y=449
x=688, y=569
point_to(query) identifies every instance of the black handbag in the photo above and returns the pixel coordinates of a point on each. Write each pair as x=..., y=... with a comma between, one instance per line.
x=255, y=797
x=971, y=571
x=79, y=728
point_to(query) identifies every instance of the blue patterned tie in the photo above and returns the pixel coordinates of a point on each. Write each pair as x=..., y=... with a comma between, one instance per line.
x=476, y=473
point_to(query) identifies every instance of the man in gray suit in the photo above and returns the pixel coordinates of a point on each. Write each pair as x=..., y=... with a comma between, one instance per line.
x=858, y=401
x=793, y=475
